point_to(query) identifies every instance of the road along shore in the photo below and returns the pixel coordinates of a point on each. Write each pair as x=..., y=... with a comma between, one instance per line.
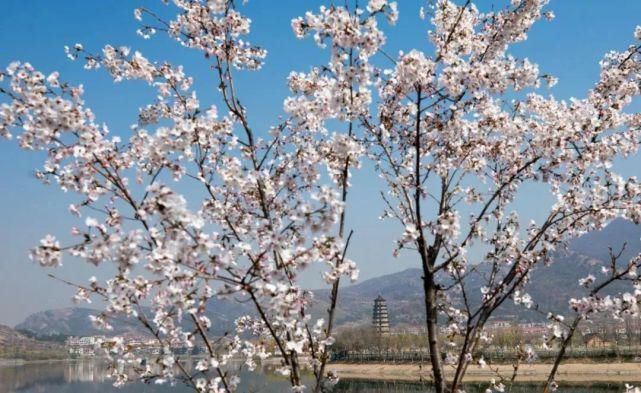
x=570, y=372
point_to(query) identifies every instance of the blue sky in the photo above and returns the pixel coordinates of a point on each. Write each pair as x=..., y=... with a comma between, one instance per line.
x=36, y=31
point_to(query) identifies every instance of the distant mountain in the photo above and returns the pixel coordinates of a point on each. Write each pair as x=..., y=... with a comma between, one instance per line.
x=13, y=344
x=403, y=292
x=618, y=233
x=10, y=336
x=551, y=286
x=72, y=321
x=57, y=324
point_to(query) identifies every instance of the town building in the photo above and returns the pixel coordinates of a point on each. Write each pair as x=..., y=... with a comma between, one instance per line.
x=83, y=346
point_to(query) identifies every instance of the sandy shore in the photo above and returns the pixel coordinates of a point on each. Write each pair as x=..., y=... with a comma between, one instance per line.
x=571, y=372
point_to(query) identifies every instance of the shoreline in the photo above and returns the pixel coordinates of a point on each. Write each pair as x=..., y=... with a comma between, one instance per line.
x=7, y=362
x=573, y=372
x=569, y=372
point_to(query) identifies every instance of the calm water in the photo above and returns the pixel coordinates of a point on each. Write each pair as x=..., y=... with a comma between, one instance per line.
x=90, y=377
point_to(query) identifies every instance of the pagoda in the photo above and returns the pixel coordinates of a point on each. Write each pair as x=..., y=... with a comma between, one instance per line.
x=380, y=318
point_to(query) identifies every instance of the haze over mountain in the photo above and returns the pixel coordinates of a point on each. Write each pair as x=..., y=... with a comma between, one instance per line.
x=552, y=286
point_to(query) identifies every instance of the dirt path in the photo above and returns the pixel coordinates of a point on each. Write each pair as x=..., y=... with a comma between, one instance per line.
x=571, y=372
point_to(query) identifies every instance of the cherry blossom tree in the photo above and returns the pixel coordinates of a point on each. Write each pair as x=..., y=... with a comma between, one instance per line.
x=457, y=134
x=263, y=214
x=456, y=131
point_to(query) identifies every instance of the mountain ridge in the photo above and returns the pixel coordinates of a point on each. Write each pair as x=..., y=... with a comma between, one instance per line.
x=402, y=290
x=14, y=344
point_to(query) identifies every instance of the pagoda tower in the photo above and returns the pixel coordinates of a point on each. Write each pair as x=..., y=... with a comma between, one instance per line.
x=380, y=318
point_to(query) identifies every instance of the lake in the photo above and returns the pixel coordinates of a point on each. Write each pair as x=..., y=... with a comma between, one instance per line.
x=91, y=376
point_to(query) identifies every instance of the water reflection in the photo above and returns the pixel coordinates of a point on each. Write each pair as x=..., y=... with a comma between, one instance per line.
x=37, y=377
x=92, y=376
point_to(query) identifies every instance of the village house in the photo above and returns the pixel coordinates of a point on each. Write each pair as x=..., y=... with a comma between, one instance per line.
x=595, y=340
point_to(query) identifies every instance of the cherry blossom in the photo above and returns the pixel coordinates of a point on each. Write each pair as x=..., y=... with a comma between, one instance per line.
x=456, y=133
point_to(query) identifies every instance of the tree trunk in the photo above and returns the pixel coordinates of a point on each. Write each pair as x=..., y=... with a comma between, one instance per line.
x=432, y=330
